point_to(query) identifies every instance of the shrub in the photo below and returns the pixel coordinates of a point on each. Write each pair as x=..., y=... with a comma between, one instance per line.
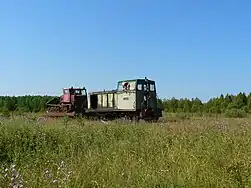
x=235, y=113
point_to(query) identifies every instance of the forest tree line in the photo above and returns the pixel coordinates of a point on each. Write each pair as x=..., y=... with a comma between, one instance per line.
x=221, y=104
x=23, y=103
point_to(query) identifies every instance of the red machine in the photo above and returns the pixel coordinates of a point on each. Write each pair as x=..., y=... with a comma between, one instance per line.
x=72, y=102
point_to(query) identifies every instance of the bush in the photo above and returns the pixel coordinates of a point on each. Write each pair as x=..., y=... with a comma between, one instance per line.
x=235, y=113
x=5, y=113
x=182, y=116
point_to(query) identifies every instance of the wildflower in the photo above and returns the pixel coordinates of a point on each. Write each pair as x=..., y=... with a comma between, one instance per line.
x=62, y=164
x=54, y=181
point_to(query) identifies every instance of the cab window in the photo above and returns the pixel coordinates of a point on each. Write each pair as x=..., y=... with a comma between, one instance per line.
x=66, y=91
x=120, y=87
x=123, y=86
x=139, y=87
x=78, y=92
x=152, y=87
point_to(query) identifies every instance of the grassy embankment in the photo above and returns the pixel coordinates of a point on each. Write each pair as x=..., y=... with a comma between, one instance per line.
x=202, y=152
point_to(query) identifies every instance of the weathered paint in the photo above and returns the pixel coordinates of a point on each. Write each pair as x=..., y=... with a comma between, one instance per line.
x=89, y=101
x=104, y=100
x=126, y=100
x=110, y=100
x=115, y=100
x=67, y=98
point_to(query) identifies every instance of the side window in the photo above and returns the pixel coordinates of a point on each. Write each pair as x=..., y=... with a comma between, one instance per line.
x=139, y=87
x=152, y=87
x=66, y=91
x=132, y=86
x=120, y=87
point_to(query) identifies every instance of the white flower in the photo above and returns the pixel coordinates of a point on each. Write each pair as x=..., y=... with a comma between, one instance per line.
x=62, y=164
x=54, y=181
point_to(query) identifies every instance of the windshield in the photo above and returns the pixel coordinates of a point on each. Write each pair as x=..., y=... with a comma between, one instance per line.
x=66, y=91
x=78, y=92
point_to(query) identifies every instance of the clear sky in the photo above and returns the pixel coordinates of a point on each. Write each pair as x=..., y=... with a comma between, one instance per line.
x=191, y=48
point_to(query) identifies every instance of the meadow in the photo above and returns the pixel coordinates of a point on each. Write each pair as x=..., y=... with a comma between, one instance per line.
x=178, y=151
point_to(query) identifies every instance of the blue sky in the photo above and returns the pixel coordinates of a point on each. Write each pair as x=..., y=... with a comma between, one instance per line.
x=191, y=48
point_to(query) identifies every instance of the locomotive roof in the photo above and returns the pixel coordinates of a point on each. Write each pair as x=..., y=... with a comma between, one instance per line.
x=75, y=88
x=104, y=91
x=133, y=80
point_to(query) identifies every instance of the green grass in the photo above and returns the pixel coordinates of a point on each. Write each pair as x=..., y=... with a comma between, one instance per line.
x=195, y=152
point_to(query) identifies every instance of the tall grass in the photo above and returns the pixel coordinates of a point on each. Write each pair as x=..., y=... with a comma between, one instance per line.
x=189, y=153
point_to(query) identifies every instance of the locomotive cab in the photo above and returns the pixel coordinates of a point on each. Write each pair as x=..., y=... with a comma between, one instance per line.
x=146, y=99
x=142, y=92
x=139, y=95
x=66, y=98
x=70, y=94
x=72, y=101
x=76, y=97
